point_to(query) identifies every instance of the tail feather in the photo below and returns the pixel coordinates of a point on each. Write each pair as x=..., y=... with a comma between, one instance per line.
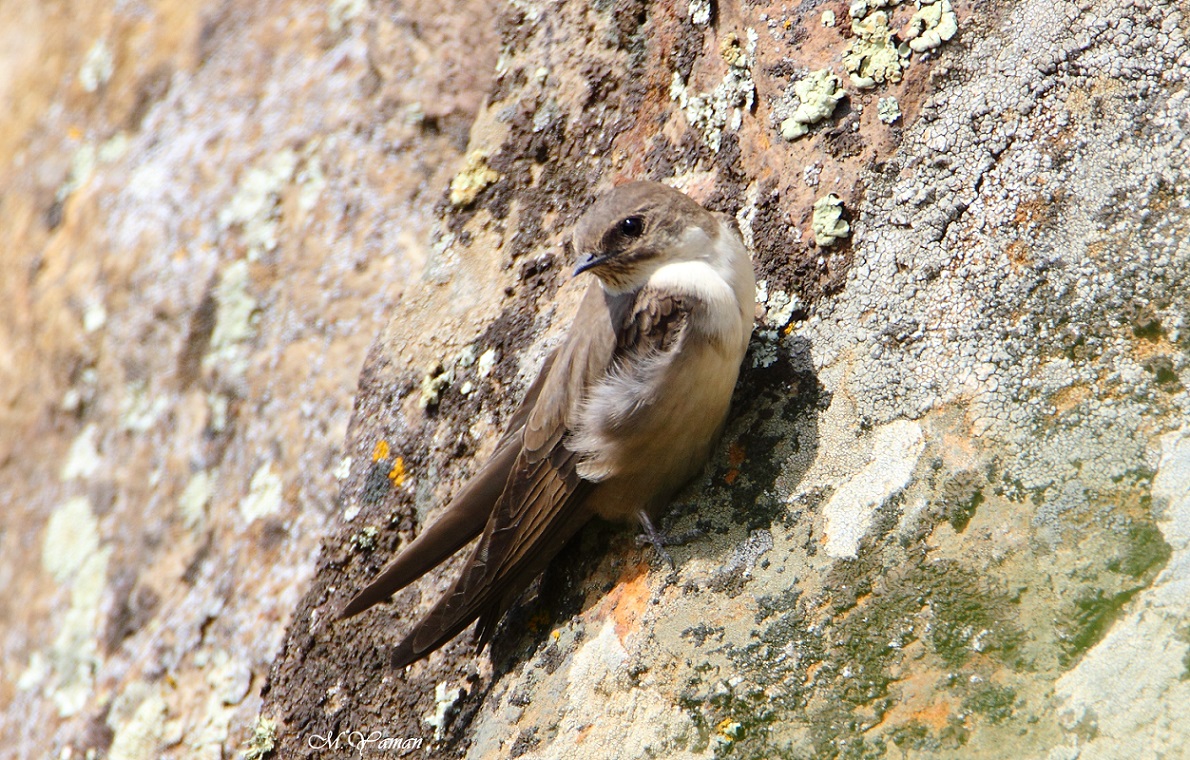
x=462, y=521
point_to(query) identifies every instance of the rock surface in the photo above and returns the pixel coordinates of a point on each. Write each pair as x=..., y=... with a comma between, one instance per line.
x=950, y=516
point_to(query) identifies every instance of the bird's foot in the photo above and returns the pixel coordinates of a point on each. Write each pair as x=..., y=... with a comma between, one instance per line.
x=661, y=540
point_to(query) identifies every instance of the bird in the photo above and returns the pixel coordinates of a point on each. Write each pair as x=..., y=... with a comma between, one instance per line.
x=623, y=414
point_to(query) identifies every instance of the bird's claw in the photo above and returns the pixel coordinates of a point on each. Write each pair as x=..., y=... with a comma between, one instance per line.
x=661, y=540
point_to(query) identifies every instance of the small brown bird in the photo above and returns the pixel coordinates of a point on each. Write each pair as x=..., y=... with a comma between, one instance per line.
x=622, y=415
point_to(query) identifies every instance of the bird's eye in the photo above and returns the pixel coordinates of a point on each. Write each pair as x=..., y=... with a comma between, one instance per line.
x=632, y=227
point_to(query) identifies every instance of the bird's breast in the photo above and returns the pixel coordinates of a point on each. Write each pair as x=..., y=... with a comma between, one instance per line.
x=648, y=430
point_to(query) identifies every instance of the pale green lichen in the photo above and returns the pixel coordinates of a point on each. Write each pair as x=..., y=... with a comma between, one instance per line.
x=71, y=536
x=365, y=539
x=228, y=681
x=827, y=222
x=445, y=699
x=934, y=23
x=71, y=552
x=311, y=180
x=255, y=207
x=218, y=404
x=94, y=317
x=112, y=149
x=872, y=58
x=778, y=311
x=192, y=504
x=340, y=12
x=264, y=494
x=779, y=306
x=432, y=385
x=485, y=363
x=82, y=166
x=724, y=108
x=82, y=461
x=234, y=319
x=828, y=19
x=97, y=68
x=139, y=409
x=263, y=740
x=137, y=720
x=859, y=8
x=474, y=177
x=85, y=160
x=818, y=92
x=888, y=110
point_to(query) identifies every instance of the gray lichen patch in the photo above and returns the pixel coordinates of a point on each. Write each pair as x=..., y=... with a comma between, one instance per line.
x=723, y=108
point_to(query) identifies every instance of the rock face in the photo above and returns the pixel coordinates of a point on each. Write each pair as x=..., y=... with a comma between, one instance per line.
x=950, y=516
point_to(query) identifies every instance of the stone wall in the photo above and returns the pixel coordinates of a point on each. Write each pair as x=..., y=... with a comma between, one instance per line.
x=949, y=517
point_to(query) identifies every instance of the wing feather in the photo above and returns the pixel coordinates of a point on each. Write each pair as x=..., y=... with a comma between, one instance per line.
x=541, y=506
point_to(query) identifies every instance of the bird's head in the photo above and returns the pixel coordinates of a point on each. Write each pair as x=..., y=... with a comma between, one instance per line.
x=630, y=232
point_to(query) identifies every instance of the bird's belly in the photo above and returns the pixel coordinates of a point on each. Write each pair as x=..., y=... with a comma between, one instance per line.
x=661, y=442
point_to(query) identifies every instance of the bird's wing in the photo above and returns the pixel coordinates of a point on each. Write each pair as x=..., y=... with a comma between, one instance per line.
x=655, y=324
x=541, y=506
x=462, y=520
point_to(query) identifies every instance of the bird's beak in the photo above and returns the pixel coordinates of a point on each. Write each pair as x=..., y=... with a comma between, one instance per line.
x=588, y=261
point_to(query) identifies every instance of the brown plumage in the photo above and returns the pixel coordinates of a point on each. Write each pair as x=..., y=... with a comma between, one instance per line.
x=623, y=413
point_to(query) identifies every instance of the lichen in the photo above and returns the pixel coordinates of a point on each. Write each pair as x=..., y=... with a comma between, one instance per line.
x=235, y=320
x=779, y=306
x=137, y=720
x=472, y=179
x=871, y=58
x=994, y=702
x=74, y=655
x=445, y=699
x=263, y=740
x=140, y=409
x=827, y=222
x=83, y=460
x=896, y=448
x=192, y=504
x=340, y=12
x=485, y=363
x=71, y=536
x=97, y=68
x=255, y=207
x=397, y=473
x=264, y=494
x=934, y=23
x=1087, y=620
x=724, y=108
x=888, y=110
x=365, y=539
x=432, y=385
x=818, y=92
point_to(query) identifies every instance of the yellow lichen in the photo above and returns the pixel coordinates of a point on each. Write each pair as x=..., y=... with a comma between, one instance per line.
x=380, y=451
x=397, y=473
x=471, y=181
